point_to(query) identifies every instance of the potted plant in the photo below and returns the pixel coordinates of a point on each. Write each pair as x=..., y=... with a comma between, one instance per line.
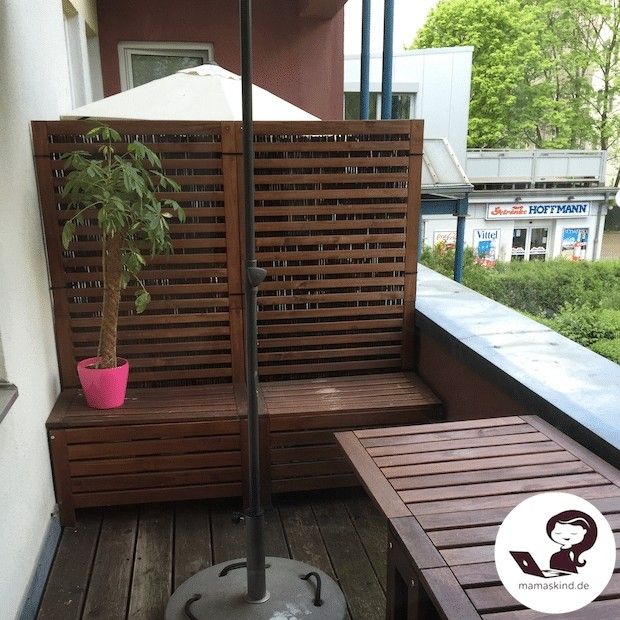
x=118, y=192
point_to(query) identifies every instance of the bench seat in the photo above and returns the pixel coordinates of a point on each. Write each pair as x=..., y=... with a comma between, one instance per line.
x=304, y=414
x=164, y=444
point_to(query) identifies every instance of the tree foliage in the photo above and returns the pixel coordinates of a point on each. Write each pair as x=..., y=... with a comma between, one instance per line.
x=545, y=72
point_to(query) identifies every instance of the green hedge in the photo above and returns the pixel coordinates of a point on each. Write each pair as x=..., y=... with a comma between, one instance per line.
x=608, y=348
x=580, y=300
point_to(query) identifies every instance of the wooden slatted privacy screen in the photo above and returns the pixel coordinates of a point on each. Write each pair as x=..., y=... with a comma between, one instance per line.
x=191, y=332
x=337, y=208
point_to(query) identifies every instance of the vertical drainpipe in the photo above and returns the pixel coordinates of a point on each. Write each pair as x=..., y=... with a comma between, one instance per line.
x=459, y=250
x=388, y=53
x=365, y=62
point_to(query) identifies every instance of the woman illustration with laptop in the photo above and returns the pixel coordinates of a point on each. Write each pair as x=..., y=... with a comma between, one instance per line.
x=575, y=532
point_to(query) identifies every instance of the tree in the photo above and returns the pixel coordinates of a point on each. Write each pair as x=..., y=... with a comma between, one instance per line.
x=545, y=72
x=506, y=61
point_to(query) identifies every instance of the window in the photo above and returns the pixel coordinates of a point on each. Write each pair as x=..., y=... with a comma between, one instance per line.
x=403, y=105
x=529, y=244
x=140, y=63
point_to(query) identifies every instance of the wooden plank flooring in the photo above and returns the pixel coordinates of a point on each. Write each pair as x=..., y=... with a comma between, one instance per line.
x=125, y=562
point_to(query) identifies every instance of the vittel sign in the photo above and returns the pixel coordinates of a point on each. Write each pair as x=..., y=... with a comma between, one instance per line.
x=529, y=211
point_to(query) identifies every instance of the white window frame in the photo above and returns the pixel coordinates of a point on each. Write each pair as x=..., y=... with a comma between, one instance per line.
x=412, y=103
x=154, y=48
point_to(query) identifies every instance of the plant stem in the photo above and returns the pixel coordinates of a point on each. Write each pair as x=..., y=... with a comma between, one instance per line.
x=112, y=271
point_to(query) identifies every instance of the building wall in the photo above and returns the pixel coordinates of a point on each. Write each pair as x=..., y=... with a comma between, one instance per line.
x=35, y=85
x=465, y=392
x=440, y=78
x=297, y=58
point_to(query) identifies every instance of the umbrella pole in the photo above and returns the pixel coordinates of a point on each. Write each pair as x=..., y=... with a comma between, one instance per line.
x=296, y=587
x=254, y=516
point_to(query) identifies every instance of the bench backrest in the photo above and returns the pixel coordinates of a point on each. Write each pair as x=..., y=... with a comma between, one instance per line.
x=337, y=215
x=337, y=220
x=192, y=331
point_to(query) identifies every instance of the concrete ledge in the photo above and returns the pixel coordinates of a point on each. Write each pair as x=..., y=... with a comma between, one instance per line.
x=575, y=389
x=8, y=394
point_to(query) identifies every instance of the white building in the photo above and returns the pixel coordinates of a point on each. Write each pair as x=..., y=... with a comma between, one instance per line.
x=432, y=84
x=526, y=204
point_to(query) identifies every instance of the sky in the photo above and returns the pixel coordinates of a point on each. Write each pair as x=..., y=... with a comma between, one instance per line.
x=409, y=16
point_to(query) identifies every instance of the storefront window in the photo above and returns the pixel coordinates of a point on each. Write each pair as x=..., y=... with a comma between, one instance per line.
x=518, y=244
x=529, y=244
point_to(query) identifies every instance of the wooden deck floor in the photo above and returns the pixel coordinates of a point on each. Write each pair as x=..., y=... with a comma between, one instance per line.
x=125, y=562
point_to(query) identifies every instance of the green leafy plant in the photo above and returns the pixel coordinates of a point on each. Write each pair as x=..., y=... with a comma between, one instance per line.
x=118, y=191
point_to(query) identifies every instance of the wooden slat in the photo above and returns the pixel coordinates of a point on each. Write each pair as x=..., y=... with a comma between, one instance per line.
x=192, y=541
x=503, y=500
x=108, y=590
x=488, y=516
x=445, y=426
x=454, y=444
x=481, y=476
x=151, y=584
x=152, y=446
x=479, y=466
x=382, y=446
x=439, y=456
x=155, y=463
x=164, y=494
x=487, y=489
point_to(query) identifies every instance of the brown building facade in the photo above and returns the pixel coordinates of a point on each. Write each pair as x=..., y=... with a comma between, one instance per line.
x=298, y=44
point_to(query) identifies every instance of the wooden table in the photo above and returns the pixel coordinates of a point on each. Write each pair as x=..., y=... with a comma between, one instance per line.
x=445, y=489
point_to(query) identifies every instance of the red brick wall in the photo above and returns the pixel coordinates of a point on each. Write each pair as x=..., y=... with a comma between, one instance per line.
x=297, y=58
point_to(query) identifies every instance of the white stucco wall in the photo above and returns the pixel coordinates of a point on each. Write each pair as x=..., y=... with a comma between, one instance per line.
x=441, y=80
x=34, y=85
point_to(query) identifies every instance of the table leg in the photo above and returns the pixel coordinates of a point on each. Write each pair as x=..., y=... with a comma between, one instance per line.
x=406, y=598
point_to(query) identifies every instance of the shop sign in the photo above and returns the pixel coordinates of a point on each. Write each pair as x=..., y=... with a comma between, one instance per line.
x=445, y=237
x=486, y=246
x=530, y=211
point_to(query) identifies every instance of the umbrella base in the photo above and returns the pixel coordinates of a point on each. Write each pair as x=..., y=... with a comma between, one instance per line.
x=208, y=595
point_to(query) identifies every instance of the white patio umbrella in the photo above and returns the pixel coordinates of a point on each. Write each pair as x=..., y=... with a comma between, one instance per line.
x=205, y=93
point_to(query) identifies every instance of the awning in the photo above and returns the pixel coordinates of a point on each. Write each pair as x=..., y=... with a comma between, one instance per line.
x=442, y=174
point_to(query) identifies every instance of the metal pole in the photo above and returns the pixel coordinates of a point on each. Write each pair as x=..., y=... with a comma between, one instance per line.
x=459, y=249
x=388, y=53
x=254, y=516
x=365, y=62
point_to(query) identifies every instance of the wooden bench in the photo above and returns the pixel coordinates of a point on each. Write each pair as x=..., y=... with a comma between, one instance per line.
x=337, y=218
x=179, y=435
x=446, y=488
x=337, y=211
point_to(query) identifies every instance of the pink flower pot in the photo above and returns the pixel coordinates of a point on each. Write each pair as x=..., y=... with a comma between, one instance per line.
x=104, y=388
